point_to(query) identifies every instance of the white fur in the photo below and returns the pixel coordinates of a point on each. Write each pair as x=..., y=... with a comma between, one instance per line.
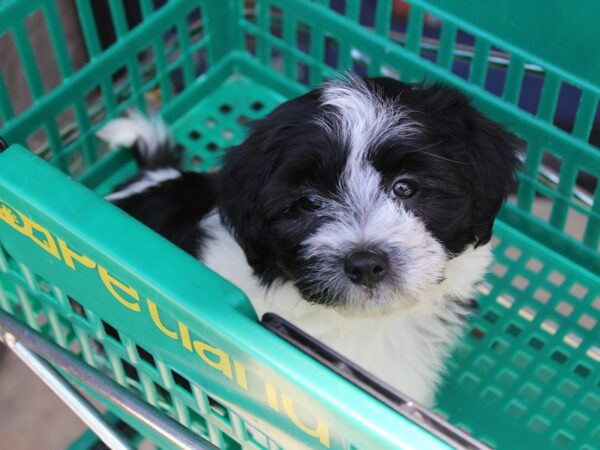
x=405, y=348
x=402, y=329
x=417, y=261
x=150, y=134
x=364, y=118
x=124, y=132
x=149, y=179
x=365, y=216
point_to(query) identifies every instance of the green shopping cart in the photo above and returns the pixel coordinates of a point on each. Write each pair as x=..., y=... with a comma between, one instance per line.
x=95, y=302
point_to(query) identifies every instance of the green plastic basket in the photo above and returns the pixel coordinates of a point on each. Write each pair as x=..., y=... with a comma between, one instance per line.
x=125, y=301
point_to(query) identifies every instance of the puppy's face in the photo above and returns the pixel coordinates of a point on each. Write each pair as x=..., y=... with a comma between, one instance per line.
x=360, y=192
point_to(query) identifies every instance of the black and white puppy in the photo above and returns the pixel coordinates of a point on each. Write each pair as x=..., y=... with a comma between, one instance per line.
x=360, y=211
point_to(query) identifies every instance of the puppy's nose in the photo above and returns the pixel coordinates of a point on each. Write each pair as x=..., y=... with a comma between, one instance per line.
x=366, y=267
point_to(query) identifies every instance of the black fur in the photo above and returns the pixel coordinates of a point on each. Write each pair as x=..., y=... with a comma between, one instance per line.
x=285, y=153
x=464, y=164
x=174, y=207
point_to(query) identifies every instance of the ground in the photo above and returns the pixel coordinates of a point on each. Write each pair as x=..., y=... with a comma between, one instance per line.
x=31, y=416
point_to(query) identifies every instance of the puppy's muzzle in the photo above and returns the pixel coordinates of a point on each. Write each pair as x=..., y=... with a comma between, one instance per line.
x=366, y=268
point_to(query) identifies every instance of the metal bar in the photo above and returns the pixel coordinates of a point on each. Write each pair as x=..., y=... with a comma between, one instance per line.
x=395, y=400
x=163, y=425
x=551, y=176
x=73, y=399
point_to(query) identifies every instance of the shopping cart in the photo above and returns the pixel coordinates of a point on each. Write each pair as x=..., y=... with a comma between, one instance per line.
x=94, y=301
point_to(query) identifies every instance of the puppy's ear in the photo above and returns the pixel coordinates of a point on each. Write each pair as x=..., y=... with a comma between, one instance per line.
x=496, y=153
x=242, y=180
x=247, y=172
x=488, y=152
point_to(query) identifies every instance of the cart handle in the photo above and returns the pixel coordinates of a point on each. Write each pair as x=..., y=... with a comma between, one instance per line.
x=36, y=353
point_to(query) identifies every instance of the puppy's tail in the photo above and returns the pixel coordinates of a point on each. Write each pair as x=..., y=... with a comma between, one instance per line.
x=167, y=199
x=148, y=137
x=152, y=147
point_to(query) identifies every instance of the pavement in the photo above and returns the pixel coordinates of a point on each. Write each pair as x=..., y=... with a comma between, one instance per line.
x=31, y=416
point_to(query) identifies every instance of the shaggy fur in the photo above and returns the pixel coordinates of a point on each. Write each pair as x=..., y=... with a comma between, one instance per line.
x=360, y=211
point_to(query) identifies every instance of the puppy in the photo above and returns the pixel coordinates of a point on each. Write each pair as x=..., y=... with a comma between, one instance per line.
x=361, y=212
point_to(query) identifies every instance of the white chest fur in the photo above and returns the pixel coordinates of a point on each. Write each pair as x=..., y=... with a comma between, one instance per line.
x=406, y=348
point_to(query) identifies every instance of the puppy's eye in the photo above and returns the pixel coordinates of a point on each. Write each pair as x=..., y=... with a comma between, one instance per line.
x=306, y=204
x=309, y=203
x=404, y=188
